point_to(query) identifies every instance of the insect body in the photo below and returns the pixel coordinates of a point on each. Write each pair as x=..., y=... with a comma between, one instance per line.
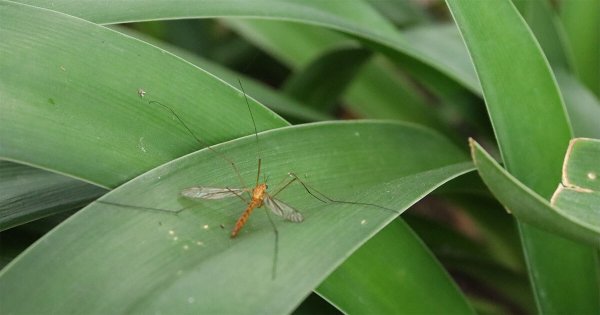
x=259, y=197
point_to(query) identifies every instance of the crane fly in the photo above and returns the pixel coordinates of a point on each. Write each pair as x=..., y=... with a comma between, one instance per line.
x=258, y=195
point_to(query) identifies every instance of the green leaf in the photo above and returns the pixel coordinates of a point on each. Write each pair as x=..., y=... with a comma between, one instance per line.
x=528, y=117
x=579, y=193
x=401, y=12
x=581, y=168
x=87, y=77
x=529, y=206
x=377, y=278
x=185, y=263
x=547, y=29
x=495, y=229
x=582, y=105
x=374, y=92
x=507, y=79
x=322, y=82
x=532, y=209
x=261, y=92
x=293, y=44
x=581, y=20
x=29, y=194
x=355, y=18
x=442, y=42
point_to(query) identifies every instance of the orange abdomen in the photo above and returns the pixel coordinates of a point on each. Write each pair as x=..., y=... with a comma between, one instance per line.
x=255, y=203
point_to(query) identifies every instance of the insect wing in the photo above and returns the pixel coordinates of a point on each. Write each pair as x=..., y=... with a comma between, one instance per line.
x=211, y=193
x=283, y=210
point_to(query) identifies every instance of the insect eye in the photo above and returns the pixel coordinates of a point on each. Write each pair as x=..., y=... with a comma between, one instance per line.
x=266, y=186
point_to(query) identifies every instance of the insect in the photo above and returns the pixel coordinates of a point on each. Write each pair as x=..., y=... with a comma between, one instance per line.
x=259, y=196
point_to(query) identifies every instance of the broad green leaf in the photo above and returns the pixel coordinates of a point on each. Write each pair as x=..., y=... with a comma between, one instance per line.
x=375, y=279
x=507, y=79
x=29, y=194
x=87, y=77
x=355, y=18
x=579, y=193
x=185, y=263
x=528, y=117
x=581, y=20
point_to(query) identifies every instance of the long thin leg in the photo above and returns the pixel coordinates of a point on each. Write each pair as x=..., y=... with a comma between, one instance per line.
x=276, y=249
x=309, y=188
x=290, y=181
x=110, y=203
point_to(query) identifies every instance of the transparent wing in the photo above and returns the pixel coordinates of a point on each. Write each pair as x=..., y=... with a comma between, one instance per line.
x=211, y=193
x=283, y=210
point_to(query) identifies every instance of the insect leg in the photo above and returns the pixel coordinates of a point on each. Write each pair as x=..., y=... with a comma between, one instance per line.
x=139, y=207
x=276, y=249
x=310, y=190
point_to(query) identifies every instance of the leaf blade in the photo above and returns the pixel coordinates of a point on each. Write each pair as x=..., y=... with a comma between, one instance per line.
x=140, y=246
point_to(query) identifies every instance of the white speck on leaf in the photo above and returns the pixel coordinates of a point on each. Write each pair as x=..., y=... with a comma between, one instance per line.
x=141, y=144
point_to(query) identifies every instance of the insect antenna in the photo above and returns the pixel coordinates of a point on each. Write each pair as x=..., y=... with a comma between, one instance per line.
x=255, y=131
x=202, y=143
x=275, y=231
